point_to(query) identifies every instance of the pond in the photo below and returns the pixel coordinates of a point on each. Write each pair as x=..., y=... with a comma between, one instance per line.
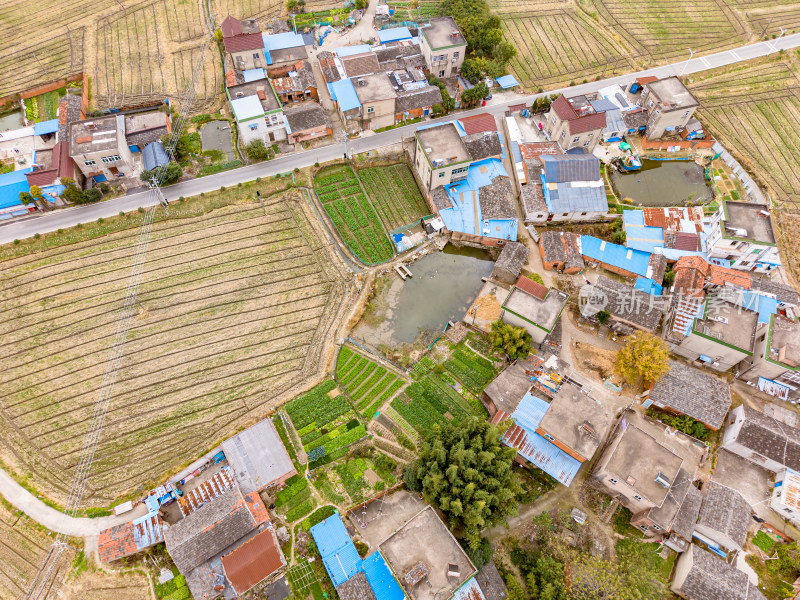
x=11, y=121
x=664, y=183
x=443, y=286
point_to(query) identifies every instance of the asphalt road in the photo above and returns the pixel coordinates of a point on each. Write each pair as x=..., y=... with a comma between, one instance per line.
x=43, y=223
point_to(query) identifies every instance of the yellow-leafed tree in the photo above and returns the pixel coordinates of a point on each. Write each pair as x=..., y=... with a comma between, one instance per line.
x=644, y=357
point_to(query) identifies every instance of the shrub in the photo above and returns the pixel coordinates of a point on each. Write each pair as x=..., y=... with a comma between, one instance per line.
x=122, y=213
x=16, y=242
x=91, y=196
x=105, y=188
x=536, y=277
x=101, y=220
x=257, y=150
x=316, y=453
x=36, y=236
x=141, y=209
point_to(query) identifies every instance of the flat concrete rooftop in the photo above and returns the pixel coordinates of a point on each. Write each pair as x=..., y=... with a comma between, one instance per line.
x=94, y=135
x=252, y=88
x=443, y=143
x=425, y=538
x=442, y=33
x=382, y=519
x=739, y=329
x=541, y=312
x=743, y=215
x=673, y=91
x=577, y=420
x=785, y=341
x=373, y=88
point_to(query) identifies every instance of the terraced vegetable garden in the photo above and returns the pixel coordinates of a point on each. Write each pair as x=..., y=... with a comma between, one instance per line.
x=295, y=500
x=352, y=214
x=233, y=310
x=369, y=384
x=452, y=394
x=326, y=423
x=395, y=194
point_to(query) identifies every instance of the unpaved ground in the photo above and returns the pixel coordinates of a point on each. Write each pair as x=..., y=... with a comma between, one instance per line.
x=235, y=309
x=103, y=585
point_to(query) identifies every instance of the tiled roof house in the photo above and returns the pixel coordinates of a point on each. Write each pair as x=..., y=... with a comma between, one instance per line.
x=762, y=439
x=724, y=516
x=699, y=575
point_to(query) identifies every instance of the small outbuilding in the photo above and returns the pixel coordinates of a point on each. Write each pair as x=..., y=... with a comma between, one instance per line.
x=510, y=262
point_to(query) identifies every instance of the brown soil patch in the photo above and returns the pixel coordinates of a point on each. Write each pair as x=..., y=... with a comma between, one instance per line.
x=487, y=307
x=99, y=585
x=594, y=359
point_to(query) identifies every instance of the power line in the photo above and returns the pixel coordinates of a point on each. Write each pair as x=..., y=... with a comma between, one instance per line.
x=41, y=583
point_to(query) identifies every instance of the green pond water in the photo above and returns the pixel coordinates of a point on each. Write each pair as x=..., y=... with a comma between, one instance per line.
x=663, y=183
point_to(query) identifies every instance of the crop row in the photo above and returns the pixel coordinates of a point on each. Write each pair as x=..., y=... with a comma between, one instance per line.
x=426, y=390
x=350, y=369
x=362, y=376
x=470, y=369
x=370, y=410
x=316, y=407
x=367, y=386
x=418, y=413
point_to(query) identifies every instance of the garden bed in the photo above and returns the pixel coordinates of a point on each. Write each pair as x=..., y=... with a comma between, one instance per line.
x=368, y=384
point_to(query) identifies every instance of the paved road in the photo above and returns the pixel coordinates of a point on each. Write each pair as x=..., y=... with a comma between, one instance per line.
x=28, y=226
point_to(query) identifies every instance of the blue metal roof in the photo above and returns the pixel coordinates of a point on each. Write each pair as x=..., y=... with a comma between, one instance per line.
x=395, y=34
x=507, y=82
x=154, y=155
x=350, y=50
x=533, y=447
x=648, y=286
x=563, y=168
x=380, y=578
x=11, y=184
x=568, y=197
x=45, y=127
x=282, y=41
x=630, y=259
x=345, y=94
x=253, y=75
x=646, y=239
x=247, y=107
x=603, y=105
x=765, y=306
x=633, y=217
x=337, y=550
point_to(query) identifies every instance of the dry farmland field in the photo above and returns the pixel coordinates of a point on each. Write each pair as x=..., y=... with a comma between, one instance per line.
x=572, y=40
x=234, y=309
x=23, y=545
x=753, y=108
x=101, y=585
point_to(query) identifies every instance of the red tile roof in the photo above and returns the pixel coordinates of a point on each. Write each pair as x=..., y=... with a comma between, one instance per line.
x=230, y=27
x=116, y=542
x=230, y=78
x=253, y=561
x=479, y=123
x=687, y=241
x=670, y=218
x=245, y=41
x=499, y=417
x=722, y=275
x=587, y=123
x=537, y=290
x=256, y=507
x=646, y=80
x=563, y=108
x=62, y=166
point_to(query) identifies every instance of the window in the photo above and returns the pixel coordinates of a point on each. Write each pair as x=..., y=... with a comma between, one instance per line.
x=586, y=143
x=591, y=135
x=455, y=55
x=564, y=214
x=650, y=104
x=370, y=109
x=441, y=73
x=584, y=214
x=563, y=133
x=441, y=173
x=637, y=497
x=255, y=55
x=89, y=163
x=656, y=527
x=576, y=139
x=254, y=126
x=547, y=436
x=110, y=159
x=643, y=527
x=613, y=481
x=460, y=170
x=553, y=120
x=686, y=114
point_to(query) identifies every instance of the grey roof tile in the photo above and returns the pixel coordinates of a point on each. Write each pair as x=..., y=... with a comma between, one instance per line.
x=725, y=510
x=692, y=392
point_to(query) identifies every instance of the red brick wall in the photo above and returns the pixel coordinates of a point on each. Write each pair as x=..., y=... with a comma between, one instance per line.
x=412, y=114
x=684, y=144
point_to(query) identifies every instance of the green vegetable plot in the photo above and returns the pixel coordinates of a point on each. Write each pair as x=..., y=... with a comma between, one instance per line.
x=369, y=384
x=395, y=195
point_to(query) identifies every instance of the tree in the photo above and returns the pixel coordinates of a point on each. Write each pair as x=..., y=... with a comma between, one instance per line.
x=257, y=150
x=360, y=4
x=470, y=70
x=603, y=316
x=91, y=196
x=474, y=95
x=25, y=198
x=71, y=192
x=36, y=192
x=172, y=173
x=515, y=342
x=643, y=357
x=669, y=278
x=536, y=277
x=481, y=555
x=515, y=591
x=465, y=471
x=619, y=237
x=595, y=579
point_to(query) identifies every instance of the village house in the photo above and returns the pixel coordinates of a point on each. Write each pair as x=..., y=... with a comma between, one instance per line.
x=376, y=95
x=529, y=179
x=258, y=458
x=258, y=113
x=775, y=365
x=627, y=262
x=243, y=43
x=699, y=575
x=641, y=464
x=297, y=85
x=505, y=392
x=676, y=228
x=785, y=499
x=762, y=440
x=307, y=122
x=416, y=103
x=144, y=128
x=574, y=123
x=684, y=390
x=572, y=187
x=675, y=520
x=625, y=308
x=534, y=307
x=99, y=148
x=281, y=49
x=740, y=235
x=358, y=65
x=669, y=104
x=443, y=46
x=561, y=251
x=724, y=517
x=508, y=266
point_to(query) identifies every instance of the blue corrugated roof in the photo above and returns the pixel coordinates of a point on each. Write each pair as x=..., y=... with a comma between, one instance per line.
x=11, y=184
x=603, y=105
x=282, y=41
x=571, y=197
x=350, y=50
x=253, y=74
x=765, y=306
x=45, y=127
x=395, y=34
x=630, y=259
x=247, y=107
x=380, y=578
x=644, y=238
x=337, y=550
x=507, y=82
x=154, y=155
x=648, y=286
x=345, y=94
x=633, y=217
x=535, y=448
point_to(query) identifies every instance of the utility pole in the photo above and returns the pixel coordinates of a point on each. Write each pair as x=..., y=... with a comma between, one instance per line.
x=686, y=64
